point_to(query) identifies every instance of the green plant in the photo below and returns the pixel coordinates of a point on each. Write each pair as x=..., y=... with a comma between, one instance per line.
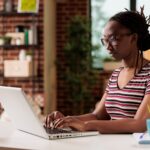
x=79, y=74
x=6, y=39
x=29, y=52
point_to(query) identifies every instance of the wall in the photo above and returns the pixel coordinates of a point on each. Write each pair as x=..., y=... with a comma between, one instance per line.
x=32, y=86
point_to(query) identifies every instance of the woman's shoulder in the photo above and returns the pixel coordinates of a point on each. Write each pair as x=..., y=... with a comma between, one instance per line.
x=117, y=70
x=146, y=68
x=147, y=65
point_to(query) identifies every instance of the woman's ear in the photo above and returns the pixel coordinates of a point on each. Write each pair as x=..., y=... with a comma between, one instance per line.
x=135, y=37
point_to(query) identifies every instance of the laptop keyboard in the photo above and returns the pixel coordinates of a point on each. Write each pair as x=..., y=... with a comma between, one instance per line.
x=58, y=133
x=57, y=130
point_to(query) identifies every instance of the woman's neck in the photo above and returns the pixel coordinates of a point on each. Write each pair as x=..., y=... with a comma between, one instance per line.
x=135, y=62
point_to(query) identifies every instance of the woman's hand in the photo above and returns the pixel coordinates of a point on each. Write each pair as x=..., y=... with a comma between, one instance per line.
x=50, y=118
x=70, y=121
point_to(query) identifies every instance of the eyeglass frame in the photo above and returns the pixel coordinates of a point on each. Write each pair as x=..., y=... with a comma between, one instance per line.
x=113, y=38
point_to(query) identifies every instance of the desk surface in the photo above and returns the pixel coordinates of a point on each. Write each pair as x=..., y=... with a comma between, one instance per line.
x=23, y=140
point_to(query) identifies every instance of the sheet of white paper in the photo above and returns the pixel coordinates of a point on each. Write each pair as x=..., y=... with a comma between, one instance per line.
x=142, y=138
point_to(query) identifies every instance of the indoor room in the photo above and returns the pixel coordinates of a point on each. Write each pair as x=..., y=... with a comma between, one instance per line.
x=79, y=66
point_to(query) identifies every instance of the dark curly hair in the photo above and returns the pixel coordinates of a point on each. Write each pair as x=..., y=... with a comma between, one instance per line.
x=137, y=23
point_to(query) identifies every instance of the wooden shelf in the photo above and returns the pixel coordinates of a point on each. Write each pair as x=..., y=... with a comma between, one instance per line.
x=12, y=14
x=20, y=78
x=7, y=47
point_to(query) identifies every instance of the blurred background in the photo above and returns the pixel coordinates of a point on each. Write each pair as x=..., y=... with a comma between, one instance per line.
x=52, y=49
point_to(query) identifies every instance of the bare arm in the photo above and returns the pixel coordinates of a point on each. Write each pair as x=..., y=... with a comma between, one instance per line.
x=137, y=124
x=129, y=125
x=81, y=121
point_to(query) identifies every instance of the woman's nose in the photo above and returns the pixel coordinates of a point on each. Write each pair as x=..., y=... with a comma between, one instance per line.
x=109, y=47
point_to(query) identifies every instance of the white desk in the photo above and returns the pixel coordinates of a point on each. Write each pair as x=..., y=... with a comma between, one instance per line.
x=22, y=140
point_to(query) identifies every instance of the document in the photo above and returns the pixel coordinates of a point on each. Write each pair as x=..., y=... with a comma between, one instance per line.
x=142, y=138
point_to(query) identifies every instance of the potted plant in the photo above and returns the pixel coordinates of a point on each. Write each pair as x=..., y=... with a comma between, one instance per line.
x=5, y=40
x=29, y=55
x=79, y=74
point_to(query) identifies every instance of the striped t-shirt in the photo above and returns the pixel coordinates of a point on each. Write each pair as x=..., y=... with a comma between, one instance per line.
x=124, y=103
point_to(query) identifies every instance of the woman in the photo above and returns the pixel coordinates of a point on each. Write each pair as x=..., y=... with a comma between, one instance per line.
x=123, y=107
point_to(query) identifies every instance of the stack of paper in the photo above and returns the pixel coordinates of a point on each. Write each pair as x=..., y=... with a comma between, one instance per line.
x=142, y=138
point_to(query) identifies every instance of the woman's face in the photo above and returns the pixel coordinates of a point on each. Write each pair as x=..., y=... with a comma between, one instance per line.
x=119, y=41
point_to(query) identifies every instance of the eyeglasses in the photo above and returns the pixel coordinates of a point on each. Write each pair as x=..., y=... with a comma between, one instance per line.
x=113, y=39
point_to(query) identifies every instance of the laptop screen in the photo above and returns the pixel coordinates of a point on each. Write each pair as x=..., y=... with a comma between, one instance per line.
x=20, y=112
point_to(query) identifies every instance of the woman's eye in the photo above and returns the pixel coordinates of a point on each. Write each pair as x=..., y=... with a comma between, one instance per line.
x=113, y=38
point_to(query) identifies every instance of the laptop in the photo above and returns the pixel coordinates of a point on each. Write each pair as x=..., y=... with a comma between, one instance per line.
x=17, y=107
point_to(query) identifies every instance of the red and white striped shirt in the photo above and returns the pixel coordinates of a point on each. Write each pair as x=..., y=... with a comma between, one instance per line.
x=124, y=103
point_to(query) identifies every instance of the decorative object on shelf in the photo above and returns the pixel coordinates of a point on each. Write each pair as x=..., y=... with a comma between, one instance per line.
x=17, y=38
x=1, y=41
x=17, y=68
x=22, y=55
x=19, y=28
x=29, y=55
x=8, y=6
x=26, y=36
x=29, y=58
x=18, y=41
x=28, y=6
x=5, y=40
x=32, y=35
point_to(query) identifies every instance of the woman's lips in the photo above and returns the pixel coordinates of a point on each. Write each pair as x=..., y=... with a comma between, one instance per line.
x=111, y=53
